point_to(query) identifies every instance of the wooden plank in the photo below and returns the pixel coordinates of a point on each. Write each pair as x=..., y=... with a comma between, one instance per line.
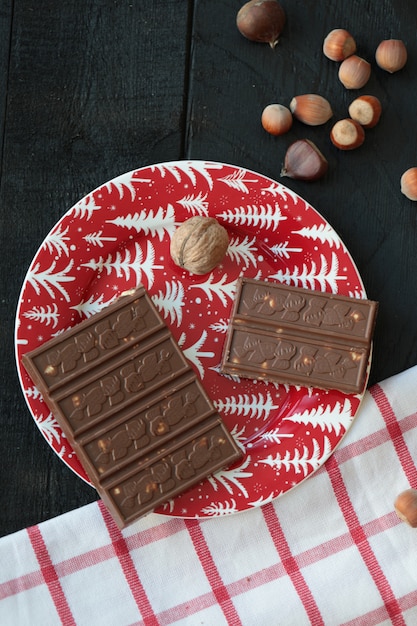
x=234, y=79
x=95, y=89
x=5, y=28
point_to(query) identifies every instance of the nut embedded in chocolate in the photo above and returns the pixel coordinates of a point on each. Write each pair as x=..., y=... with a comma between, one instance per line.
x=298, y=336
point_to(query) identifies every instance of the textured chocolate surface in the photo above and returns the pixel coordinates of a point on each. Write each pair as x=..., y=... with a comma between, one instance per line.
x=131, y=407
x=301, y=337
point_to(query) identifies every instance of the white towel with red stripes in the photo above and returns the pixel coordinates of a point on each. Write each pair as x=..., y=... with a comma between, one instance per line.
x=332, y=551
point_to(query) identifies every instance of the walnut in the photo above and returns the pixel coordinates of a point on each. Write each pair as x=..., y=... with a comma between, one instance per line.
x=199, y=244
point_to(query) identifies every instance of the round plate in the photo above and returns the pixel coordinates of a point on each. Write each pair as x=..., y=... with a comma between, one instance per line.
x=119, y=235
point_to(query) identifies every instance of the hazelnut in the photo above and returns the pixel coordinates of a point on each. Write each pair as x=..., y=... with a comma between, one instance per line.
x=311, y=109
x=366, y=110
x=339, y=44
x=347, y=134
x=408, y=183
x=199, y=244
x=50, y=370
x=354, y=72
x=405, y=506
x=276, y=119
x=391, y=55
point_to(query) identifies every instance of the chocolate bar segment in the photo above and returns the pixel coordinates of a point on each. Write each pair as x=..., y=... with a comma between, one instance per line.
x=164, y=474
x=144, y=426
x=299, y=336
x=131, y=407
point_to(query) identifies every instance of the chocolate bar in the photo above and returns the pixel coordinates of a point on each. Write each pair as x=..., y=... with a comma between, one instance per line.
x=131, y=407
x=299, y=336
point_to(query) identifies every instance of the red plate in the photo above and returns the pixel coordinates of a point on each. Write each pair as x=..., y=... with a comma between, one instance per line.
x=119, y=236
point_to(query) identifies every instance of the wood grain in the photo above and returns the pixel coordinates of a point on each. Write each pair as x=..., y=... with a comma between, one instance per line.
x=360, y=197
x=90, y=89
x=94, y=89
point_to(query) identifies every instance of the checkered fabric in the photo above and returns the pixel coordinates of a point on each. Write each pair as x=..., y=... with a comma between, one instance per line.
x=332, y=551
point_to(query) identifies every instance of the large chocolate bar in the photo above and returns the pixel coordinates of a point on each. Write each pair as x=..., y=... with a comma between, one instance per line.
x=299, y=336
x=131, y=407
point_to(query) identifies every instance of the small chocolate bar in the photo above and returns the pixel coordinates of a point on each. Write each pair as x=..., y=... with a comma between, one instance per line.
x=131, y=407
x=299, y=336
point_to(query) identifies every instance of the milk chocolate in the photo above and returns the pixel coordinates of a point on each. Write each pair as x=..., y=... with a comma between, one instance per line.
x=298, y=336
x=131, y=407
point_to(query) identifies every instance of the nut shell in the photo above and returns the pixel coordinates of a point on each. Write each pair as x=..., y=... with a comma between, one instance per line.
x=354, y=72
x=391, y=55
x=276, y=119
x=347, y=134
x=304, y=161
x=339, y=44
x=409, y=183
x=366, y=110
x=199, y=244
x=311, y=109
x=405, y=506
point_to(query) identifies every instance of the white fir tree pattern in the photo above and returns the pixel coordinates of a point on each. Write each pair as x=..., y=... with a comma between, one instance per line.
x=221, y=326
x=219, y=509
x=62, y=451
x=357, y=293
x=222, y=289
x=232, y=478
x=264, y=500
x=125, y=262
x=282, y=250
x=237, y=180
x=253, y=406
x=122, y=184
x=48, y=315
x=57, y=240
x=188, y=169
x=98, y=239
x=313, y=276
x=266, y=216
x=90, y=307
x=21, y=341
x=139, y=180
x=327, y=418
x=320, y=232
x=241, y=251
x=238, y=434
x=194, y=353
x=170, y=302
x=50, y=280
x=275, y=436
x=49, y=428
x=195, y=204
x=33, y=393
x=276, y=189
x=85, y=208
x=149, y=223
x=300, y=462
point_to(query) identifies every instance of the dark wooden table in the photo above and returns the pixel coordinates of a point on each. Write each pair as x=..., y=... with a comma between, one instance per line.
x=94, y=88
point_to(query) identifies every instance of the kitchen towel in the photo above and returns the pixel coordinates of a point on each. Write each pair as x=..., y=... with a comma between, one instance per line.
x=331, y=551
